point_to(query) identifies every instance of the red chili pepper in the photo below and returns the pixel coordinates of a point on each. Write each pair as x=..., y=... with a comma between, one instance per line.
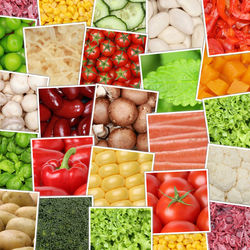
x=51, y=98
x=71, y=92
x=50, y=191
x=54, y=144
x=76, y=142
x=49, y=130
x=82, y=154
x=71, y=109
x=236, y=11
x=84, y=126
x=88, y=91
x=61, y=128
x=88, y=108
x=65, y=174
x=45, y=113
x=43, y=127
x=81, y=190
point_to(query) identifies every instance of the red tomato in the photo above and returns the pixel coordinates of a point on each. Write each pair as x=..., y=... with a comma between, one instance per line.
x=197, y=178
x=104, y=64
x=138, y=39
x=96, y=36
x=215, y=47
x=157, y=226
x=201, y=195
x=136, y=82
x=104, y=78
x=123, y=39
x=81, y=190
x=89, y=73
x=133, y=51
x=84, y=61
x=112, y=73
x=152, y=201
x=107, y=48
x=177, y=210
x=168, y=186
x=109, y=34
x=92, y=51
x=123, y=84
x=202, y=221
x=179, y=226
x=119, y=58
x=91, y=62
x=128, y=65
x=166, y=176
x=152, y=184
x=135, y=69
x=122, y=74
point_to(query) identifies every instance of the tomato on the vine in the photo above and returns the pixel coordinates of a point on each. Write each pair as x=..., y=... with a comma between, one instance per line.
x=96, y=36
x=128, y=65
x=84, y=61
x=138, y=39
x=202, y=220
x=91, y=62
x=123, y=39
x=179, y=226
x=201, y=195
x=133, y=52
x=107, y=48
x=122, y=74
x=112, y=73
x=197, y=178
x=104, y=78
x=165, y=176
x=109, y=34
x=119, y=58
x=157, y=226
x=136, y=82
x=135, y=69
x=104, y=64
x=92, y=51
x=89, y=73
x=152, y=201
x=152, y=184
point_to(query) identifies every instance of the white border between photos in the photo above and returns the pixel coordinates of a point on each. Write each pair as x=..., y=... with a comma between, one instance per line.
x=72, y=86
x=55, y=25
x=151, y=211
x=116, y=149
x=182, y=170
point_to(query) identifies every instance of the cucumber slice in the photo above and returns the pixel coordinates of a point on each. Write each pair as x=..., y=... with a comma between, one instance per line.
x=142, y=25
x=144, y=6
x=101, y=10
x=137, y=1
x=132, y=14
x=116, y=4
x=111, y=22
x=141, y=30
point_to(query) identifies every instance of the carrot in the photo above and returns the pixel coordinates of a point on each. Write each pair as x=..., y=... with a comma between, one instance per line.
x=197, y=155
x=172, y=145
x=177, y=166
x=201, y=134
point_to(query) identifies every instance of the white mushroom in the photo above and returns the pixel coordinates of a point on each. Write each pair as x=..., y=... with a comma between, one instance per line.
x=5, y=76
x=11, y=109
x=19, y=83
x=7, y=89
x=101, y=92
x=1, y=85
x=31, y=120
x=13, y=123
x=17, y=98
x=100, y=131
x=29, y=103
x=3, y=99
x=37, y=81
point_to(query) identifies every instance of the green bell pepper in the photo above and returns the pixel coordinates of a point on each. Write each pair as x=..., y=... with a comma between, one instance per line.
x=4, y=178
x=14, y=183
x=7, y=134
x=7, y=166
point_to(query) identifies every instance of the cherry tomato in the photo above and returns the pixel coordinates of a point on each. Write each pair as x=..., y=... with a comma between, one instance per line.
x=112, y=73
x=89, y=73
x=104, y=78
x=202, y=221
x=128, y=65
x=179, y=226
x=201, y=195
x=104, y=64
x=157, y=226
x=178, y=210
x=123, y=39
x=133, y=51
x=136, y=82
x=92, y=51
x=91, y=62
x=166, y=176
x=197, y=178
x=84, y=61
x=152, y=184
x=135, y=69
x=96, y=36
x=116, y=83
x=168, y=186
x=122, y=74
x=119, y=58
x=107, y=48
x=152, y=201
x=138, y=39
x=109, y=34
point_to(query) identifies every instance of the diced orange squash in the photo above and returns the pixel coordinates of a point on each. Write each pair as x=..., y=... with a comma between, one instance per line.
x=232, y=57
x=237, y=87
x=233, y=69
x=208, y=74
x=245, y=58
x=203, y=94
x=246, y=77
x=218, y=63
x=218, y=86
x=206, y=60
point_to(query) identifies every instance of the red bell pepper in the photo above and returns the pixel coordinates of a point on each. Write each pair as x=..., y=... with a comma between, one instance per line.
x=236, y=11
x=65, y=174
x=82, y=154
x=81, y=190
x=51, y=98
x=76, y=142
x=54, y=144
x=50, y=191
x=221, y=7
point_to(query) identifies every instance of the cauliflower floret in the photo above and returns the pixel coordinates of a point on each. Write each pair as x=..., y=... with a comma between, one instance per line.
x=245, y=154
x=246, y=197
x=216, y=194
x=215, y=154
x=231, y=157
x=234, y=196
x=245, y=165
x=243, y=183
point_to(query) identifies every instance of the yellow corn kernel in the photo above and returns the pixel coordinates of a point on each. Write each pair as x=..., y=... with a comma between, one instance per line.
x=171, y=245
x=129, y=168
x=139, y=203
x=137, y=193
x=117, y=194
x=180, y=238
x=112, y=182
x=180, y=246
x=101, y=203
x=98, y=193
x=105, y=157
x=146, y=166
x=94, y=168
x=145, y=157
x=71, y=9
x=107, y=170
x=124, y=203
x=98, y=150
x=134, y=180
x=75, y=16
x=62, y=2
x=125, y=156
x=94, y=181
x=68, y=15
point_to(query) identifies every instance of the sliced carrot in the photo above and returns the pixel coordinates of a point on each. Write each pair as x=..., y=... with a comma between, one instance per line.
x=218, y=86
x=233, y=69
x=238, y=87
x=177, y=165
x=246, y=77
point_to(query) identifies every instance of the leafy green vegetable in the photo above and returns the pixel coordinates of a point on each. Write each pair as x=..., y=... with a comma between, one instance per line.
x=63, y=223
x=120, y=228
x=228, y=120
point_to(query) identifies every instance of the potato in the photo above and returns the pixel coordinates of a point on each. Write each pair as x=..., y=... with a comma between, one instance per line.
x=1, y=225
x=1, y=202
x=34, y=197
x=10, y=239
x=22, y=224
x=27, y=212
x=19, y=198
x=24, y=248
x=5, y=217
x=9, y=207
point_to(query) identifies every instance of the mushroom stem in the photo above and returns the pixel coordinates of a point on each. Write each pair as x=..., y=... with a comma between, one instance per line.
x=101, y=131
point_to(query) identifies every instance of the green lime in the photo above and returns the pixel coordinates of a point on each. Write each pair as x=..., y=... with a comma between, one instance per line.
x=1, y=51
x=19, y=31
x=22, y=69
x=1, y=67
x=22, y=54
x=2, y=32
x=14, y=43
x=3, y=23
x=13, y=23
x=12, y=61
x=2, y=61
x=27, y=21
x=3, y=43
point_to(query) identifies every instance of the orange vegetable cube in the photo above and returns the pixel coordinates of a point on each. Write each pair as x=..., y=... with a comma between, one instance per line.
x=233, y=69
x=246, y=77
x=232, y=57
x=218, y=86
x=208, y=74
x=206, y=60
x=245, y=58
x=203, y=94
x=238, y=87
x=218, y=63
